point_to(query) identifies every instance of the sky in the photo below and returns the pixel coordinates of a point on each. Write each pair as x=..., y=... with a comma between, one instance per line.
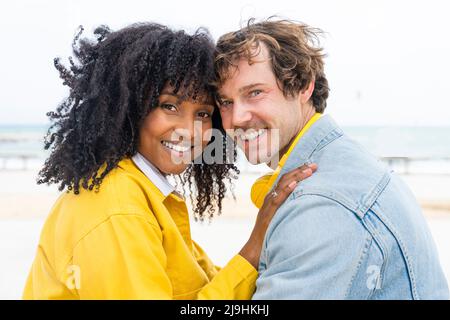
x=387, y=61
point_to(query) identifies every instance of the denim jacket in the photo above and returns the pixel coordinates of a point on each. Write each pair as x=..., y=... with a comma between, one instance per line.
x=353, y=230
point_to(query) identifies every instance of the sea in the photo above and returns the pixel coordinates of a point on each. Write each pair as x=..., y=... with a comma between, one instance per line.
x=407, y=149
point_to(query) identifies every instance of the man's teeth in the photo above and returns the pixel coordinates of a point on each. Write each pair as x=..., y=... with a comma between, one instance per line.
x=252, y=135
x=176, y=147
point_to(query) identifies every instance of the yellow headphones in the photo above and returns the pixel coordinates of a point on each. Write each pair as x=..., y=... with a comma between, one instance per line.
x=264, y=184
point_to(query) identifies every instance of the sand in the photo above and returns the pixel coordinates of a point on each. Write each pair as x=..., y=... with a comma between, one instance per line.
x=24, y=207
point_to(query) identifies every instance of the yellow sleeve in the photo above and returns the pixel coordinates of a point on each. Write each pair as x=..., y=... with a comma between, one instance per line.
x=123, y=258
x=42, y=282
x=205, y=263
x=235, y=281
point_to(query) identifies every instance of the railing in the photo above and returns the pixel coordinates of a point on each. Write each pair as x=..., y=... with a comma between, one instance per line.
x=402, y=162
x=405, y=162
x=24, y=158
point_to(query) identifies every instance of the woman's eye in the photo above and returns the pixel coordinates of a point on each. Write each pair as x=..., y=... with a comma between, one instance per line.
x=204, y=115
x=255, y=93
x=169, y=107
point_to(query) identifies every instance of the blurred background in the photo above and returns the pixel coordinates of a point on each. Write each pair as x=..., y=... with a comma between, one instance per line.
x=388, y=66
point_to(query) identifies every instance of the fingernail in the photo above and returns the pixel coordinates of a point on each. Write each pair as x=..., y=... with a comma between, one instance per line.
x=292, y=184
x=307, y=171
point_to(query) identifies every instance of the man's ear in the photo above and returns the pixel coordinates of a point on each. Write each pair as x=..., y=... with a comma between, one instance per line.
x=306, y=94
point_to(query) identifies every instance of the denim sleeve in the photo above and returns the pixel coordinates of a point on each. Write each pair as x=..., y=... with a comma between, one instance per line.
x=313, y=249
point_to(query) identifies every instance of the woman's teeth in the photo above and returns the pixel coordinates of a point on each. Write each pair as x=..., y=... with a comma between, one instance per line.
x=252, y=135
x=176, y=147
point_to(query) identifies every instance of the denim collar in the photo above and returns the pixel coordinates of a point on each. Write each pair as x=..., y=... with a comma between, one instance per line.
x=322, y=132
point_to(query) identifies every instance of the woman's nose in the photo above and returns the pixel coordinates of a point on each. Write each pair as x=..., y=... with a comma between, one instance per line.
x=187, y=130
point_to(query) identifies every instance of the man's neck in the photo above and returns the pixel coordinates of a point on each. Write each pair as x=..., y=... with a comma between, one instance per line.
x=308, y=115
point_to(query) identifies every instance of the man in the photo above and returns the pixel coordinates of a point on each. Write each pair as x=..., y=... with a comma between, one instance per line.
x=351, y=231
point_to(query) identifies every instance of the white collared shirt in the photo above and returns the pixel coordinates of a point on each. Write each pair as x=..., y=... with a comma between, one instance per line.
x=153, y=174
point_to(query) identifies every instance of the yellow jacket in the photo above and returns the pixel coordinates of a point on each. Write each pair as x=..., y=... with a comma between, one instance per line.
x=128, y=241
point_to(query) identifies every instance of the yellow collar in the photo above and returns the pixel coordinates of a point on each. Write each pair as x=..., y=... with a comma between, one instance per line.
x=264, y=184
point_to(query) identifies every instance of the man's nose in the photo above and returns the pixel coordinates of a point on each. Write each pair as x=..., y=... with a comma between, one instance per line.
x=241, y=115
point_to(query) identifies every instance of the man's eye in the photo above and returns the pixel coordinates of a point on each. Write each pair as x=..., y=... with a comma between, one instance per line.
x=225, y=103
x=169, y=106
x=255, y=93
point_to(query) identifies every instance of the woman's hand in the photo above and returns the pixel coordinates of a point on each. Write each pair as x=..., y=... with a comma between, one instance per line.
x=287, y=183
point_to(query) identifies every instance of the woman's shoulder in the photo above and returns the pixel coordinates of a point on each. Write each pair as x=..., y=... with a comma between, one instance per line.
x=123, y=192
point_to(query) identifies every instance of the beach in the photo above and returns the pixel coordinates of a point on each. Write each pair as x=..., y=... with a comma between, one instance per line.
x=24, y=206
x=20, y=187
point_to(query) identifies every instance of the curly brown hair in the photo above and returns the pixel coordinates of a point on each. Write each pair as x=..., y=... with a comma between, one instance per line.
x=114, y=82
x=296, y=57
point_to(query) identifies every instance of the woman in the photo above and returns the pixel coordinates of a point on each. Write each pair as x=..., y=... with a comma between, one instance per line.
x=121, y=231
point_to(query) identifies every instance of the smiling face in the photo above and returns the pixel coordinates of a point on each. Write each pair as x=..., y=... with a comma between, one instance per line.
x=172, y=134
x=252, y=103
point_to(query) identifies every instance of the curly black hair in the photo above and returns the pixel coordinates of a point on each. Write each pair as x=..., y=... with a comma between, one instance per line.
x=115, y=81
